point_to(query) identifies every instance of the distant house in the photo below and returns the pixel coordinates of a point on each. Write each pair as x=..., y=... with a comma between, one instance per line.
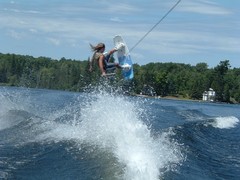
x=209, y=95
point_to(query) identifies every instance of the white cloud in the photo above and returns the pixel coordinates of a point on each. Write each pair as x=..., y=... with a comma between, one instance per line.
x=203, y=7
x=32, y=30
x=22, y=11
x=75, y=26
x=54, y=41
x=14, y=34
x=116, y=19
x=121, y=8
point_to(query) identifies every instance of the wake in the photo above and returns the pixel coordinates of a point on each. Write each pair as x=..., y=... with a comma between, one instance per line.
x=101, y=120
x=113, y=123
x=225, y=122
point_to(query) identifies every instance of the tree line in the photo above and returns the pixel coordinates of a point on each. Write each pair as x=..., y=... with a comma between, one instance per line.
x=160, y=79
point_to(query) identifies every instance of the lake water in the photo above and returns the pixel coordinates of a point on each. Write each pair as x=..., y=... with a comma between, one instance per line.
x=47, y=134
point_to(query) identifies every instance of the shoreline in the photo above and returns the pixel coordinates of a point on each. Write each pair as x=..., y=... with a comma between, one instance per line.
x=166, y=97
x=182, y=99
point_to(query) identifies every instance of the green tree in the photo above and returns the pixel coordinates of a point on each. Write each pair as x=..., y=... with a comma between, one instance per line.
x=163, y=78
x=219, y=81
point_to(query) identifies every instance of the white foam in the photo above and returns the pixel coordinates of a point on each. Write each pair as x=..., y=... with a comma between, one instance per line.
x=6, y=104
x=225, y=122
x=113, y=123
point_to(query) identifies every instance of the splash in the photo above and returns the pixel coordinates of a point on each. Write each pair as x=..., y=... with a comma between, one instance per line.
x=108, y=121
x=225, y=122
x=113, y=122
x=10, y=101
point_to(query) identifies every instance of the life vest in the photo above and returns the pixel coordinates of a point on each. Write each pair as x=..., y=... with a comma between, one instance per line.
x=96, y=56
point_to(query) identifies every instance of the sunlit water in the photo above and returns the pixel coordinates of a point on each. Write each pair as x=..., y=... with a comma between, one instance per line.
x=47, y=134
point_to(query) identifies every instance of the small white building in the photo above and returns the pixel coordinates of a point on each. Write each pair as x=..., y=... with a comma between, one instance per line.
x=209, y=95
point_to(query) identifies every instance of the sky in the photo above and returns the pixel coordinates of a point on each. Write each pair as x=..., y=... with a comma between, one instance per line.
x=196, y=31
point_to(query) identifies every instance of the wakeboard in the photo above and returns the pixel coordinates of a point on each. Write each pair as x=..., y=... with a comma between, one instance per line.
x=124, y=58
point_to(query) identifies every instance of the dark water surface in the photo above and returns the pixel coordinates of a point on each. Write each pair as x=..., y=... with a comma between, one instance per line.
x=47, y=134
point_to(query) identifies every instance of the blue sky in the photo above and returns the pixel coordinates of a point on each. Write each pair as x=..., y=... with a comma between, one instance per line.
x=195, y=31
